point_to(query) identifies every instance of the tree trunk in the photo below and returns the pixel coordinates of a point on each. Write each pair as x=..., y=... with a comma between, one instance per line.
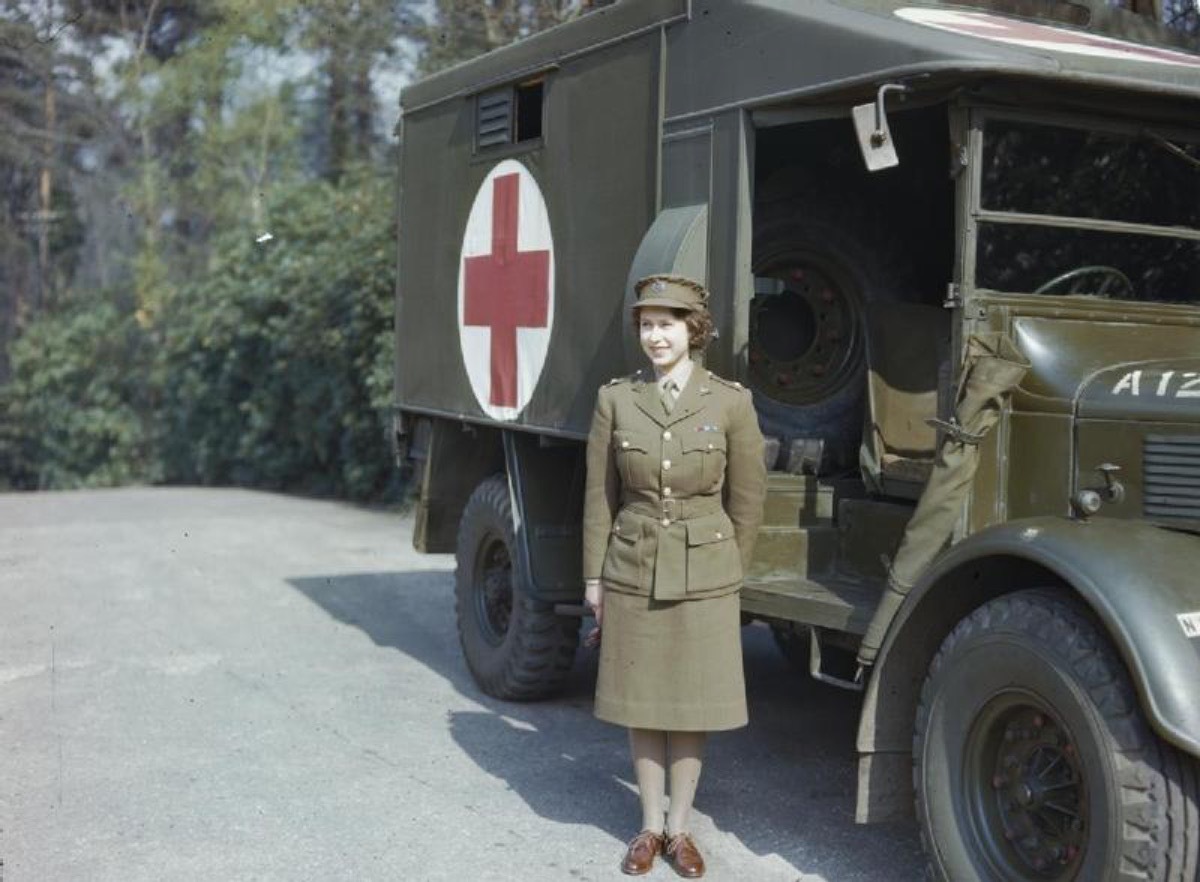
x=364, y=107
x=45, y=192
x=339, y=123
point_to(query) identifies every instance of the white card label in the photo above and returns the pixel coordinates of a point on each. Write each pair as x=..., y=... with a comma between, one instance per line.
x=1190, y=622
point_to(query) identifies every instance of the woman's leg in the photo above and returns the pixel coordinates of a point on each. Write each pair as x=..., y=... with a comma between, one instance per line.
x=649, y=748
x=687, y=749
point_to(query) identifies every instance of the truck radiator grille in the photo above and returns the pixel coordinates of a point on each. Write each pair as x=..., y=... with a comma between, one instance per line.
x=1171, y=475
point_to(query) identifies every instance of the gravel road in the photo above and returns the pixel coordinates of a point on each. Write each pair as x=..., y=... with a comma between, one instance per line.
x=224, y=685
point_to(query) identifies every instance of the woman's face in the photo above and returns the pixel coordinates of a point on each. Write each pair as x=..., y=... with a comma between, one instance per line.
x=664, y=336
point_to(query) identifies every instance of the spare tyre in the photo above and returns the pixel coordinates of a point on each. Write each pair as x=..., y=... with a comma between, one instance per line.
x=814, y=279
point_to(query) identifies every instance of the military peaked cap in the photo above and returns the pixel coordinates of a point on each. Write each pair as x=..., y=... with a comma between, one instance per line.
x=670, y=292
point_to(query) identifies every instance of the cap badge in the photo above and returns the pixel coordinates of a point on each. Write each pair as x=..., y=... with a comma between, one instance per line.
x=658, y=286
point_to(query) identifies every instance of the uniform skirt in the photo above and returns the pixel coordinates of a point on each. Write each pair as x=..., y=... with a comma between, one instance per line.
x=671, y=665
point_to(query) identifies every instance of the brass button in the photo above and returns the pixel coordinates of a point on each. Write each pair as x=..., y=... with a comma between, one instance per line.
x=666, y=464
x=719, y=536
x=667, y=435
x=616, y=528
x=710, y=447
x=666, y=522
x=624, y=443
x=666, y=491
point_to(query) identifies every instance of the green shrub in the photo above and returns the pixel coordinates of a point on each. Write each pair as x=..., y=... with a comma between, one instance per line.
x=77, y=409
x=277, y=363
x=273, y=369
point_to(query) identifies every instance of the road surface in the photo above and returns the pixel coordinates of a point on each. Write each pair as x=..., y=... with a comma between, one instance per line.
x=208, y=684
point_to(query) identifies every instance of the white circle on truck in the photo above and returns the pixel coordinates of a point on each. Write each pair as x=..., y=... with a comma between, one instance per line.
x=506, y=290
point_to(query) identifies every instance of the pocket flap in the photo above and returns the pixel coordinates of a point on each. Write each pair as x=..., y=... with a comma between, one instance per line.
x=627, y=527
x=625, y=440
x=715, y=527
x=703, y=441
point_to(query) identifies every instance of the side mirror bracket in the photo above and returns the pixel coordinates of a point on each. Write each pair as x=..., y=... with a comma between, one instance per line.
x=874, y=134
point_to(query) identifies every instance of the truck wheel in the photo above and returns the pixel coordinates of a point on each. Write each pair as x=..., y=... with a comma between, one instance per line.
x=515, y=647
x=1032, y=760
x=814, y=277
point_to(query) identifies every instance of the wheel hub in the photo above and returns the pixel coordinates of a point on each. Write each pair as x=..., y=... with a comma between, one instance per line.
x=494, y=591
x=1036, y=811
x=804, y=337
x=1023, y=794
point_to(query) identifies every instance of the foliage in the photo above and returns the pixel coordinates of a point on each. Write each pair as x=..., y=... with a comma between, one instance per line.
x=46, y=105
x=273, y=369
x=78, y=410
x=462, y=29
x=275, y=361
x=351, y=39
x=146, y=145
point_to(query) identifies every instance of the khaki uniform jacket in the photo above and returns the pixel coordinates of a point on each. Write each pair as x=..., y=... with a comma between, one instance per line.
x=673, y=500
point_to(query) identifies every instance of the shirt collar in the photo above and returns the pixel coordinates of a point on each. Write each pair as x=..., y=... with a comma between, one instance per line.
x=681, y=373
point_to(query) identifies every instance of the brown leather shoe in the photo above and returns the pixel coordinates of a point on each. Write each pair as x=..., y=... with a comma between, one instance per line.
x=639, y=857
x=681, y=849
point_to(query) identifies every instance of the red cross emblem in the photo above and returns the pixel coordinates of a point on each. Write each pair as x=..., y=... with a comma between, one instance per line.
x=505, y=287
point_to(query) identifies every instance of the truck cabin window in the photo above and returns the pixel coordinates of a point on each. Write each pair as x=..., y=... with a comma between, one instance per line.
x=509, y=115
x=1046, y=188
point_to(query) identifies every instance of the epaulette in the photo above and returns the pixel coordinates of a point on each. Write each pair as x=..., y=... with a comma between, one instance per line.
x=732, y=384
x=628, y=378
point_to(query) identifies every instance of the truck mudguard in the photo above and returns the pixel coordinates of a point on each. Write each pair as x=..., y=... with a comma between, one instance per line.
x=1142, y=582
x=545, y=481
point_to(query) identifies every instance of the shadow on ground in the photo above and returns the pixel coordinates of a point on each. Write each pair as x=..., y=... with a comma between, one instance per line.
x=784, y=785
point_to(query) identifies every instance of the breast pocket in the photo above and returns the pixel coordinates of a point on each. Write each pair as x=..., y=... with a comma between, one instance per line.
x=632, y=452
x=705, y=454
x=713, y=559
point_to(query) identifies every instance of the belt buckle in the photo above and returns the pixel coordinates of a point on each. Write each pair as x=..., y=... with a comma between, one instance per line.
x=669, y=513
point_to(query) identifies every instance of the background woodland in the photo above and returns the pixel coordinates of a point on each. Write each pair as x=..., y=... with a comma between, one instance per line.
x=198, y=234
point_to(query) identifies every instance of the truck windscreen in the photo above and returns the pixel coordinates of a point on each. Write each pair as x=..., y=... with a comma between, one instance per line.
x=1084, y=212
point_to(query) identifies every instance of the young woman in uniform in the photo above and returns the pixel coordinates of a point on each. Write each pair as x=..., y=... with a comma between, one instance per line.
x=674, y=498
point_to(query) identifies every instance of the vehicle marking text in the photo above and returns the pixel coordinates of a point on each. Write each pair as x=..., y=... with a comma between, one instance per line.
x=1172, y=384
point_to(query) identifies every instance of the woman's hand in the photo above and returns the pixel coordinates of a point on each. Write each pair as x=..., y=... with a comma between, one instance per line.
x=593, y=598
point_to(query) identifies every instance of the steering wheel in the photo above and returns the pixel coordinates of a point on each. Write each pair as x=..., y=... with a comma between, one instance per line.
x=1114, y=282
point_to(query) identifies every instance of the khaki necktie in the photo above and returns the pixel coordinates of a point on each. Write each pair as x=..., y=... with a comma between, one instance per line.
x=668, y=395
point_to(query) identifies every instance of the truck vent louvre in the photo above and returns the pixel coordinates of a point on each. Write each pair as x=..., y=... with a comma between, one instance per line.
x=494, y=118
x=1171, y=471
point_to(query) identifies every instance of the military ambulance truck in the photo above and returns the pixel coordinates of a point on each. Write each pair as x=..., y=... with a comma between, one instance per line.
x=954, y=252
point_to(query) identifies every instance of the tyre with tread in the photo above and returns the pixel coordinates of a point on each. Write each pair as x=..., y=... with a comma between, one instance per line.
x=807, y=347
x=1033, y=760
x=516, y=648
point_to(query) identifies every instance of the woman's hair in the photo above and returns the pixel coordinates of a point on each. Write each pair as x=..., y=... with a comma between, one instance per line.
x=700, y=327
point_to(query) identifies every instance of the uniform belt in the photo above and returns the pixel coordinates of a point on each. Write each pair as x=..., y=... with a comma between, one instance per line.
x=674, y=509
